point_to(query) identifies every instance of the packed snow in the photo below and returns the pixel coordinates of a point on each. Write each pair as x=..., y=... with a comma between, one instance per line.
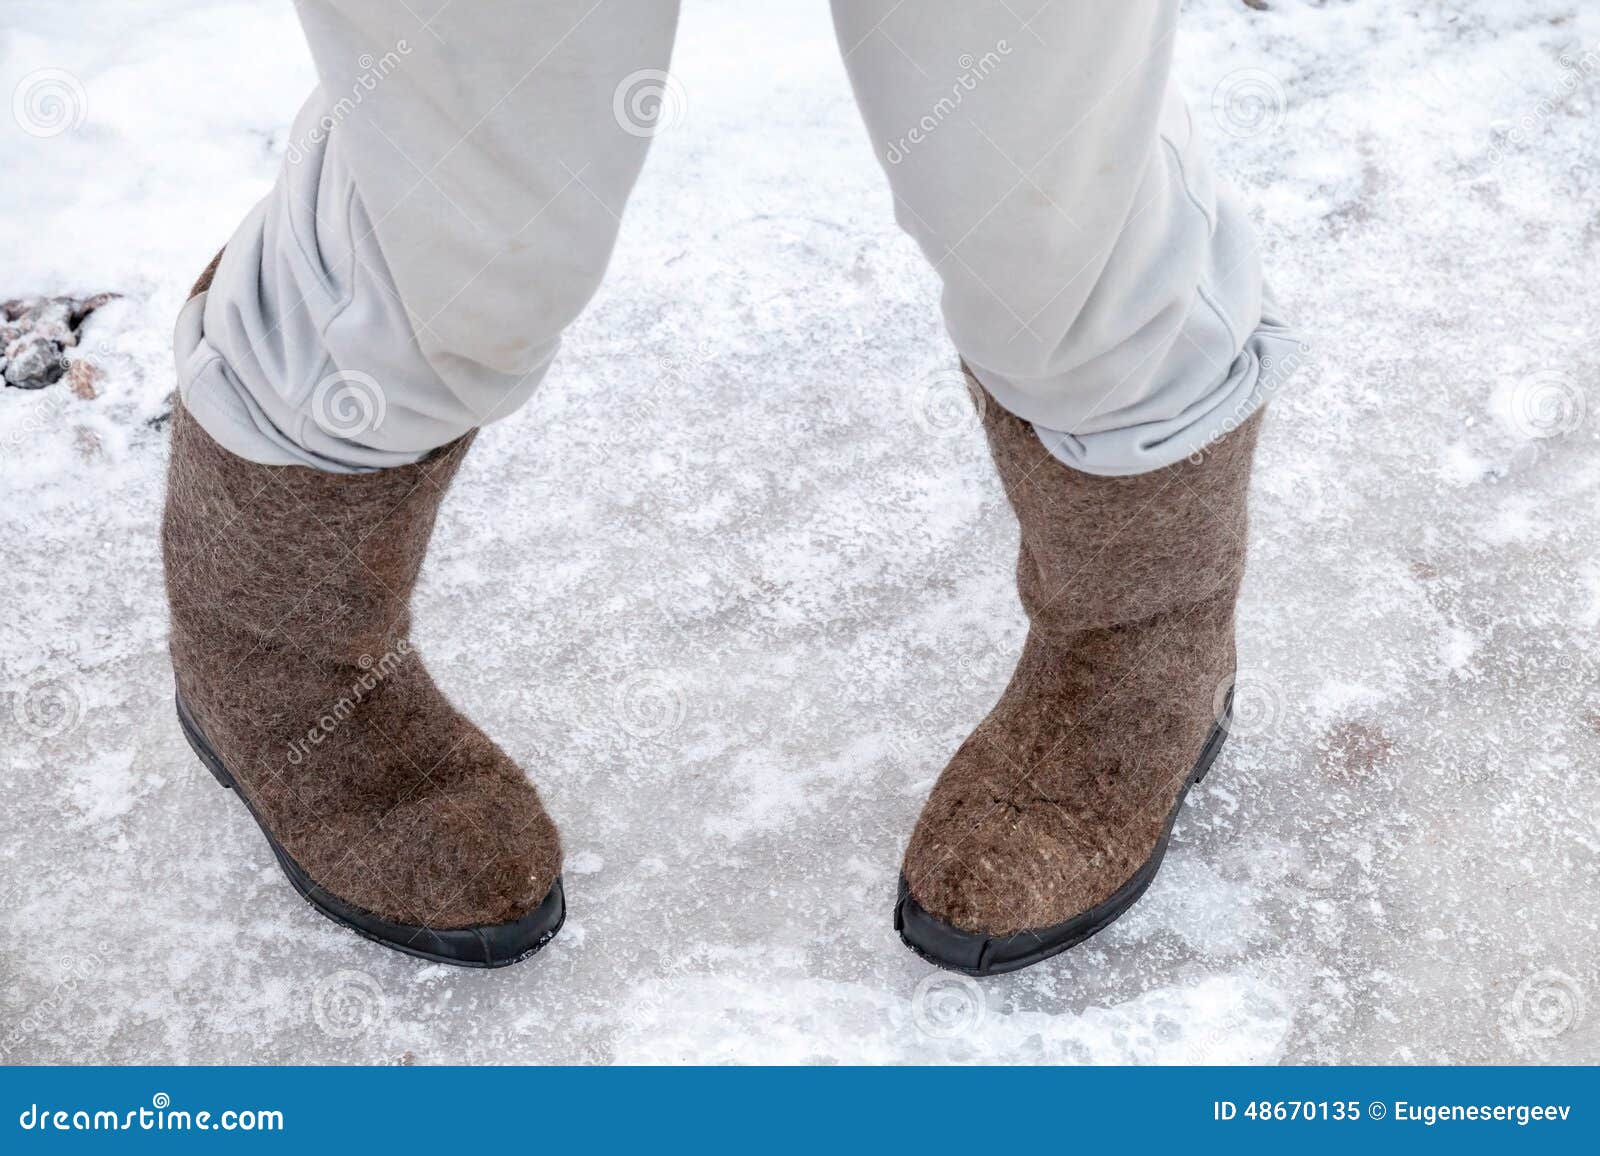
x=737, y=581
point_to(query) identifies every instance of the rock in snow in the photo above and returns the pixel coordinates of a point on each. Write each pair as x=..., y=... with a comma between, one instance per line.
x=33, y=361
x=36, y=334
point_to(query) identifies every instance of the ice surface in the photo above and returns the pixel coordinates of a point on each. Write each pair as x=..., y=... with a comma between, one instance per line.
x=735, y=584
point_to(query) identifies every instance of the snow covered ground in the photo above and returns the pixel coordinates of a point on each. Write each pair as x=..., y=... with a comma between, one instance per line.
x=737, y=632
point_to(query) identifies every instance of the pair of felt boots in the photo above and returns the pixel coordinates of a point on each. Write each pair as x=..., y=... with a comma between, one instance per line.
x=396, y=816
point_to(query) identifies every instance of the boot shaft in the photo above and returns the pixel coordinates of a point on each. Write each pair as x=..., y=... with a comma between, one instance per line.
x=1096, y=552
x=284, y=555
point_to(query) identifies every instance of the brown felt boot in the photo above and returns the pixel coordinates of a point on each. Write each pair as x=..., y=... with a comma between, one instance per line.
x=298, y=685
x=1051, y=819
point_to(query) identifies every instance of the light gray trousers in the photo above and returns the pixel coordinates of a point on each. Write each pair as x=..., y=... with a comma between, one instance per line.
x=452, y=191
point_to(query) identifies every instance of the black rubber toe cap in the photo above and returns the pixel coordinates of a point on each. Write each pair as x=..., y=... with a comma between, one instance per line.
x=978, y=953
x=975, y=952
x=491, y=945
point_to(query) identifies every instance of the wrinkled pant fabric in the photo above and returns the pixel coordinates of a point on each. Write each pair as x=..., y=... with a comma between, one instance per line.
x=452, y=191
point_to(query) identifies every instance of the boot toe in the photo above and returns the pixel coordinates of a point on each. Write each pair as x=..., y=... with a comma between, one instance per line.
x=990, y=886
x=1006, y=873
x=466, y=858
x=463, y=878
x=995, y=879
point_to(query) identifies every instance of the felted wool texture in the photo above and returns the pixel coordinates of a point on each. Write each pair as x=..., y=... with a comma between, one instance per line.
x=1062, y=792
x=290, y=597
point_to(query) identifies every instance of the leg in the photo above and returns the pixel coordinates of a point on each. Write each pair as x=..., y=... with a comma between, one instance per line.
x=448, y=204
x=1101, y=287
x=1098, y=282
x=441, y=216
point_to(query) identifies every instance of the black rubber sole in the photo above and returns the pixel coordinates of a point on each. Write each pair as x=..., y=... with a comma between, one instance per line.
x=974, y=953
x=492, y=945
